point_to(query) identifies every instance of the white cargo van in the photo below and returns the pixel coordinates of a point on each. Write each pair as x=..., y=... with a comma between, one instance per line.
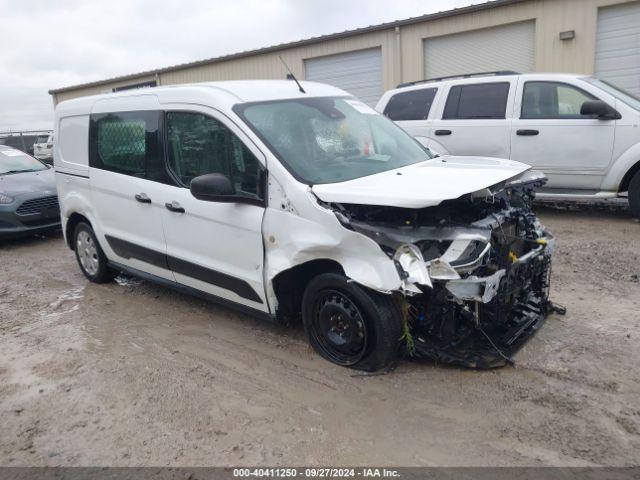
x=291, y=201
x=583, y=133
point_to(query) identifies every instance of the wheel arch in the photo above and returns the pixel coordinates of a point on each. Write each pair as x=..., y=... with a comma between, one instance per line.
x=622, y=169
x=626, y=180
x=74, y=219
x=289, y=285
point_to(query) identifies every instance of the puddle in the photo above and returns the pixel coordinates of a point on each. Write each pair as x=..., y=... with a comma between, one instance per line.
x=69, y=296
x=127, y=281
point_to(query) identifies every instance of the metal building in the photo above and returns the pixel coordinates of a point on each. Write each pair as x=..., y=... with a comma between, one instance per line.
x=577, y=36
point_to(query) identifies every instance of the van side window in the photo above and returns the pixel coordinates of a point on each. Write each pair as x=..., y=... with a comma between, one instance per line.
x=412, y=105
x=127, y=143
x=551, y=100
x=477, y=101
x=199, y=144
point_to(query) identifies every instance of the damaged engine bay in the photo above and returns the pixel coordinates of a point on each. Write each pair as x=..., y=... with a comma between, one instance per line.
x=475, y=270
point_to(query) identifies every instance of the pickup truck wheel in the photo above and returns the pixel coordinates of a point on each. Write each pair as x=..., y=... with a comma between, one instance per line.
x=350, y=326
x=634, y=195
x=91, y=258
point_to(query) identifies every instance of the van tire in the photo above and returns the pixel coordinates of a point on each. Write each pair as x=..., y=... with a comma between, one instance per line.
x=91, y=259
x=634, y=195
x=373, y=327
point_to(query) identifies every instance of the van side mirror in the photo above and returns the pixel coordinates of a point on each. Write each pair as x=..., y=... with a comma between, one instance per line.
x=213, y=187
x=599, y=109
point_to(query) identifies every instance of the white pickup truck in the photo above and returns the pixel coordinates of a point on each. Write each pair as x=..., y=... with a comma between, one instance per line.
x=583, y=133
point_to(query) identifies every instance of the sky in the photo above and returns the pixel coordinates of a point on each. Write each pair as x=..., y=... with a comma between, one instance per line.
x=47, y=44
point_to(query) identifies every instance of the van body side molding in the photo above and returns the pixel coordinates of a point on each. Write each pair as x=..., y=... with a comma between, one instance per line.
x=236, y=285
x=72, y=174
x=129, y=250
x=179, y=287
x=213, y=277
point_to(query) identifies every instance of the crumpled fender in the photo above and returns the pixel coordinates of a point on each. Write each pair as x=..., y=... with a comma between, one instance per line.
x=291, y=239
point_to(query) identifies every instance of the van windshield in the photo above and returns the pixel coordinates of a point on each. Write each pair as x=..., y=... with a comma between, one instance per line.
x=627, y=97
x=329, y=139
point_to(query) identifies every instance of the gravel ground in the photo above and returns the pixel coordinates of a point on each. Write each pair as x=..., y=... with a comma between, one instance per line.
x=130, y=373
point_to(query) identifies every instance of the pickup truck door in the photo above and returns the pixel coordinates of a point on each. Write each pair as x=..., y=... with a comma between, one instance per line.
x=549, y=133
x=474, y=119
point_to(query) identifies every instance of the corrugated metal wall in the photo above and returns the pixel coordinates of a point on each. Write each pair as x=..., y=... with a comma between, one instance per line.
x=506, y=47
x=402, y=50
x=359, y=73
x=618, y=46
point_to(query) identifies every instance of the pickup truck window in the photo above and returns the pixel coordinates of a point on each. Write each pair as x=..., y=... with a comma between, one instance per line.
x=411, y=105
x=553, y=100
x=481, y=101
x=625, y=96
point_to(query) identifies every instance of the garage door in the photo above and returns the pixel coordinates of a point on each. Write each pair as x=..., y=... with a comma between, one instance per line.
x=507, y=47
x=618, y=46
x=359, y=73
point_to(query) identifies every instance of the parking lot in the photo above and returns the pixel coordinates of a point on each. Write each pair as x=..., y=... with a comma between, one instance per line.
x=130, y=373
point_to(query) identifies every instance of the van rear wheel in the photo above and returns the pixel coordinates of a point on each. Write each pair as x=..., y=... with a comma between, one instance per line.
x=91, y=259
x=634, y=195
x=349, y=325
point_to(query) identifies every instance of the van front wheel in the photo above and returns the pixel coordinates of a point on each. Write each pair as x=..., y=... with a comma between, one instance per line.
x=350, y=326
x=634, y=195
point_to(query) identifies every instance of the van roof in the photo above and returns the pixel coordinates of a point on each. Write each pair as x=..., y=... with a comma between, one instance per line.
x=226, y=92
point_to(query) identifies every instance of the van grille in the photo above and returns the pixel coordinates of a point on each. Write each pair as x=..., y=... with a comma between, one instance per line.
x=39, y=205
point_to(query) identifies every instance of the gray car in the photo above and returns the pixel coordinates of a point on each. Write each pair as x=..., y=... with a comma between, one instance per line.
x=28, y=198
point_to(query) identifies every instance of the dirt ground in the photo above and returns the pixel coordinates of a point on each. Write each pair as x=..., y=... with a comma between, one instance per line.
x=131, y=373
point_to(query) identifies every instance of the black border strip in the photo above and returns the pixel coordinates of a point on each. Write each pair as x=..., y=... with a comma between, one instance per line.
x=129, y=250
x=72, y=174
x=179, y=287
x=213, y=277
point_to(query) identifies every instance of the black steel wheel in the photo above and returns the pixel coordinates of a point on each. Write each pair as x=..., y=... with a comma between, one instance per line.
x=349, y=325
x=338, y=326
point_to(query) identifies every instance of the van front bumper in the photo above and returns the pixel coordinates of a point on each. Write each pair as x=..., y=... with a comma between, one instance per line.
x=500, y=313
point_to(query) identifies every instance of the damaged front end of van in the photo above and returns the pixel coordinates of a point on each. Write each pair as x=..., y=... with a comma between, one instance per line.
x=475, y=270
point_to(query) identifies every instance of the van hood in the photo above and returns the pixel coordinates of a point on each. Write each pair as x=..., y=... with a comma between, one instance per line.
x=424, y=184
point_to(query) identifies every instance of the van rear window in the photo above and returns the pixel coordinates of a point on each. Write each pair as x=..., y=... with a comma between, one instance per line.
x=122, y=144
x=127, y=143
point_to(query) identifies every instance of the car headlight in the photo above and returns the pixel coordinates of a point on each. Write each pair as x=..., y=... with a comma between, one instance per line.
x=5, y=199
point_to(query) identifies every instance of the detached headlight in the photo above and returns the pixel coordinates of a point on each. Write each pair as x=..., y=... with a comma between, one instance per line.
x=5, y=199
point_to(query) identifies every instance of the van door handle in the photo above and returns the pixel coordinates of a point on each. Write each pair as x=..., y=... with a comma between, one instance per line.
x=142, y=198
x=174, y=207
x=443, y=132
x=527, y=133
